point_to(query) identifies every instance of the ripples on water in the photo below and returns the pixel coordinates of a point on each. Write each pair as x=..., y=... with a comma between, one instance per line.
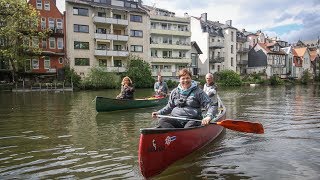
x=60, y=136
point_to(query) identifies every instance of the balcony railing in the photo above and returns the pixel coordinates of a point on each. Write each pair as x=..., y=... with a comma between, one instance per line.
x=242, y=62
x=216, y=59
x=111, y=37
x=98, y=52
x=217, y=45
x=243, y=50
x=108, y=20
x=241, y=39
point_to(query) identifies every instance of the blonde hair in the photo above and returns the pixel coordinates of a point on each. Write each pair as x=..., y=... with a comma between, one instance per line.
x=126, y=78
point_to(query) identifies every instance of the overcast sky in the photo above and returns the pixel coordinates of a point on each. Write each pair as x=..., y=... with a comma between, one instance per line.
x=291, y=20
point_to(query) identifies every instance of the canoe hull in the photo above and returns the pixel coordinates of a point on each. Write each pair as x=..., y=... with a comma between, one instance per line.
x=107, y=104
x=159, y=148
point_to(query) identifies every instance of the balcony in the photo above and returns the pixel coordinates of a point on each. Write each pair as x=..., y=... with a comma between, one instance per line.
x=216, y=45
x=107, y=20
x=171, y=60
x=99, y=36
x=98, y=52
x=185, y=46
x=241, y=39
x=165, y=31
x=243, y=50
x=216, y=59
x=242, y=62
x=113, y=69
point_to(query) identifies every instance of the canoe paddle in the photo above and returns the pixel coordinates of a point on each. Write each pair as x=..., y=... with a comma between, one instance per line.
x=236, y=125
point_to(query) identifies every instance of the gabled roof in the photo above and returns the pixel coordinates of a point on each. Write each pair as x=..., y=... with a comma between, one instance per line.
x=287, y=49
x=193, y=43
x=301, y=51
x=268, y=50
x=313, y=55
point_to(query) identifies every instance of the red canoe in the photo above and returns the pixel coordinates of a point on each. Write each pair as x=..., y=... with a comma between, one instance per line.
x=159, y=148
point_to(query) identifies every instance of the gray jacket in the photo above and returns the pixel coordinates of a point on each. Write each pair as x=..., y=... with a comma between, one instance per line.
x=211, y=91
x=197, y=100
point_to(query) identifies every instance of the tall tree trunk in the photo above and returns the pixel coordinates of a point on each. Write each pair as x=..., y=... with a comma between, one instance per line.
x=13, y=71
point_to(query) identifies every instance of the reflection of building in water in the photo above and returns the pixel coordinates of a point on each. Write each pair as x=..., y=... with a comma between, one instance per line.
x=83, y=125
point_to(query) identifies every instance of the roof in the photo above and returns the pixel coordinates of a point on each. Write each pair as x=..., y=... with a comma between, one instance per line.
x=267, y=48
x=301, y=51
x=193, y=43
x=313, y=55
x=287, y=49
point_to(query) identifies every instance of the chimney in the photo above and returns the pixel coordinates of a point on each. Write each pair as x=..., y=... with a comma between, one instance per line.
x=186, y=15
x=229, y=22
x=243, y=30
x=204, y=17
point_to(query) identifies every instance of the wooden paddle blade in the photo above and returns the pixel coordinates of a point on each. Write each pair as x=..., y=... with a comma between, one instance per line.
x=242, y=126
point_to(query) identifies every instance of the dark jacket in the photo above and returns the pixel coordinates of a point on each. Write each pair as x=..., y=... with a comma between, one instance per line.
x=126, y=92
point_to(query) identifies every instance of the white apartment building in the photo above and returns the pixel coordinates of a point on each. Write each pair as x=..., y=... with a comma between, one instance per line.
x=242, y=48
x=170, y=42
x=103, y=33
x=217, y=42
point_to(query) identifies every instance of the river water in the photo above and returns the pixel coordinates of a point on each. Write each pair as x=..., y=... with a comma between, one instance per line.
x=48, y=135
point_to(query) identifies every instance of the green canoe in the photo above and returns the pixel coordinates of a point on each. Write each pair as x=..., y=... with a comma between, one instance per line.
x=104, y=104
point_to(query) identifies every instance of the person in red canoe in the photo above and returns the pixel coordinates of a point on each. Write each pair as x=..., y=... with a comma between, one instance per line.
x=186, y=101
x=160, y=87
x=127, y=89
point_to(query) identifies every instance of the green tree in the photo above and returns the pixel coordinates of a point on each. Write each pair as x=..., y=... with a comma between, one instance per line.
x=140, y=72
x=99, y=79
x=18, y=30
x=229, y=78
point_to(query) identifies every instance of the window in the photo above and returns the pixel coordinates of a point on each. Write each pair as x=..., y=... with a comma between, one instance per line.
x=80, y=11
x=101, y=47
x=166, y=54
x=51, y=23
x=182, y=54
x=44, y=43
x=102, y=14
x=81, y=45
x=136, y=33
x=193, y=59
x=35, y=64
x=232, y=34
x=232, y=49
x=103, y=62
x=59, y=24
x=232, y=61
x=117, y=47
x=52, y=43
x=47, y=5
x=39, y=4
x=135, y=18
x=81, y=28
x=43, y=23
x=117, y=63
x=101, y=31
x=154, y=53
x=46, y=62
x=116, y=16
x=136, y=48
x=60, y=43
x=81, y=61
x=60, y=60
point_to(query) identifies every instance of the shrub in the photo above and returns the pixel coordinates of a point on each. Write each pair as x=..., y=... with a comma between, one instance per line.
x=276, y=80
x=98, y=79
x=228, y=78
x=306, y=77
x=140, y=72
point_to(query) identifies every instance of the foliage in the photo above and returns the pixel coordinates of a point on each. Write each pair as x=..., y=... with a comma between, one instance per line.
x=140, y=72
x=253, y=78
x=172, y=84
x=18, y=30
x=228, y=78
x=72, y=76
x=99, y=79
x=276, y=80
x=306, y=77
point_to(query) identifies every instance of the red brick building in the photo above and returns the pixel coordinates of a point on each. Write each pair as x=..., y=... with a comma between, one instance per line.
x=51, y=60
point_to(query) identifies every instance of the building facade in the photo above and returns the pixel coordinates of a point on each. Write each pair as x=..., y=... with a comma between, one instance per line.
x=104, y=33
x=52, y=59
